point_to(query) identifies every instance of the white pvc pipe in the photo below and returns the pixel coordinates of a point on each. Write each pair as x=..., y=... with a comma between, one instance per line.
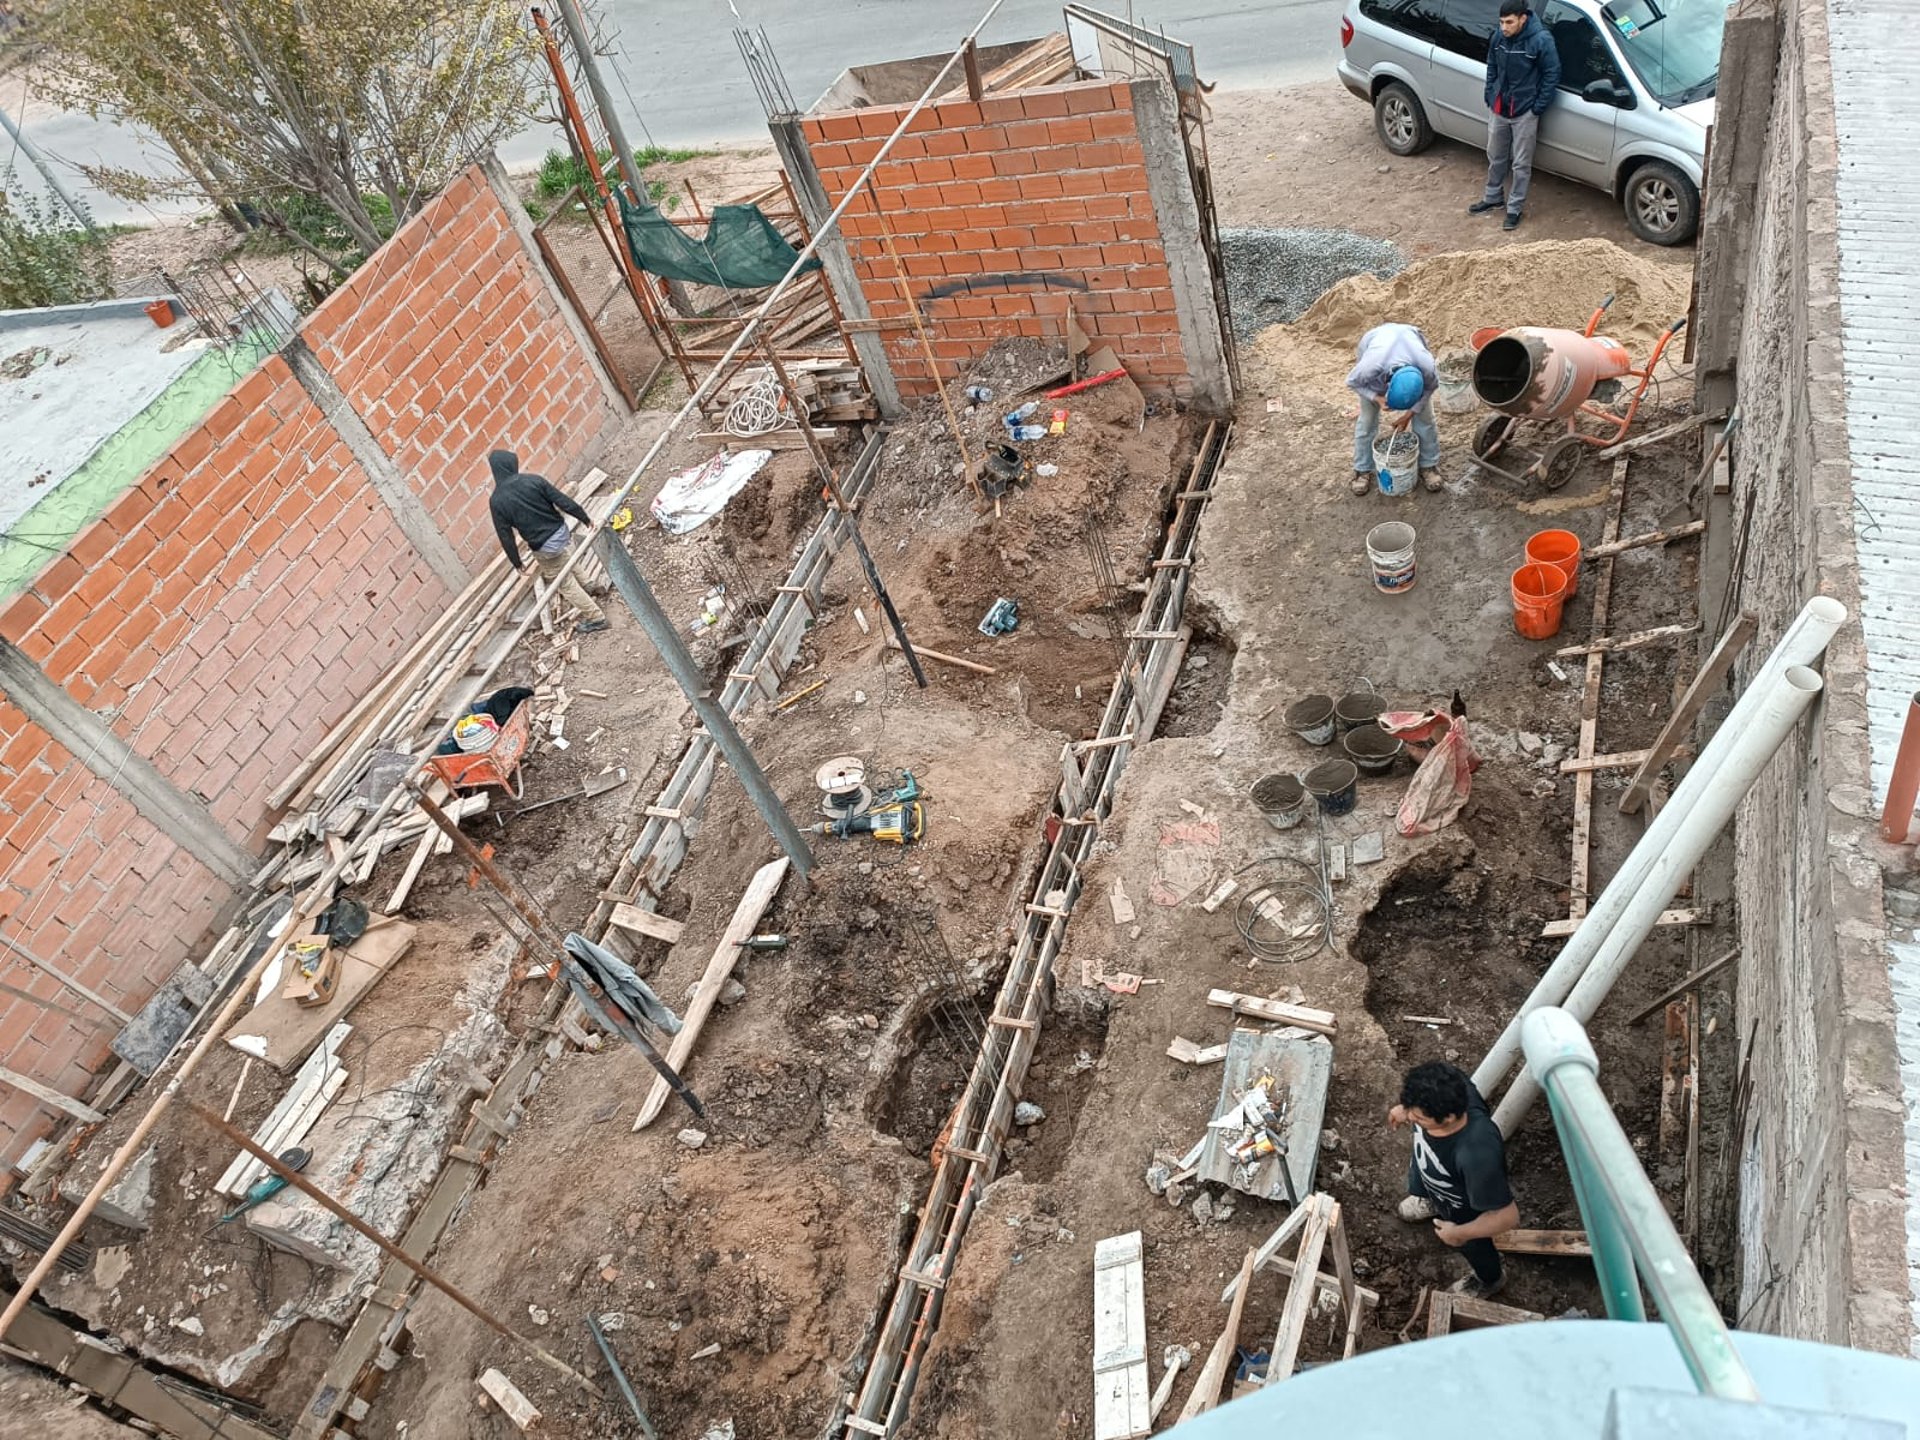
x=1805, y=640
x=1700, y=824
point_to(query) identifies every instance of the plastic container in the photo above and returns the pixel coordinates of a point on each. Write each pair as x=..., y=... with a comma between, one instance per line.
x=1560, y=549
x=980, y=394
x=1335, y=784
x=160, y=312
x=1027, y=432
x=1372, y=749
x=1396, y=461
x=1390, y=551
x=1539, y=599
x=1014, y=417
x=1282, y=799
x=1311, y=718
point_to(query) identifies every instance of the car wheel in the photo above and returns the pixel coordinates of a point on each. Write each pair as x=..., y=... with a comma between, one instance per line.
x=1662, y=206
x=1400, y=121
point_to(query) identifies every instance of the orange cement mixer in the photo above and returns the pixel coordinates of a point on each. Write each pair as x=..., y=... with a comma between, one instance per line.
x=1538, y=375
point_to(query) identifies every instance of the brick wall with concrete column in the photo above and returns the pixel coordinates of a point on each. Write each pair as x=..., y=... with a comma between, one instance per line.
x=448, y=343
x=1822, y=1239
x=1004, y=211
x=237, y=599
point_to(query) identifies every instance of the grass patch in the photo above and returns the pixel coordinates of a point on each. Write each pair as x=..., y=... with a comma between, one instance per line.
x=561, y=172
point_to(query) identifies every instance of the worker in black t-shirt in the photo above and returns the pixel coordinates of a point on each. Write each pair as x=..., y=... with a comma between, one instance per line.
x=1458, y=1176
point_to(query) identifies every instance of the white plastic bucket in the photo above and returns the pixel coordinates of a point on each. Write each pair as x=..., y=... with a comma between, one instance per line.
x=1396, y=461
x=1390, y=549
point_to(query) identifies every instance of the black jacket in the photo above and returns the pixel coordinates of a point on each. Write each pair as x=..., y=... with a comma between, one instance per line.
x=1522, y=73
x=526, y=504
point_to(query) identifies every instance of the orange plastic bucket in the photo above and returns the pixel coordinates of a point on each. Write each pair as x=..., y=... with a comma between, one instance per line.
x=1539, y=597
x=1561, y=549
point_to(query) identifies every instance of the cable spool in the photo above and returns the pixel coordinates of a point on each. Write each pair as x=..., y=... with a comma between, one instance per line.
x=760, y=408
x=843, y=787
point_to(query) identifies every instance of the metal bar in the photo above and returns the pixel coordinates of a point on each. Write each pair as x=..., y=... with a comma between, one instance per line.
x=593, y=329
x=1612, y=1253
x=639, y=596
x=1617, y=1192
x=620, y=1379
x=392, y=1251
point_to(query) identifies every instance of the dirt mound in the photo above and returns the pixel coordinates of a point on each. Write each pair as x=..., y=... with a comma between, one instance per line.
x=1547, y=283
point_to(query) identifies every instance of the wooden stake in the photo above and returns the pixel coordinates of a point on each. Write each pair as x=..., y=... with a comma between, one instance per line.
x=393, y=1252
x=50, y=1097
x=1639, y=639
x=1667, y=743
x=1323, y=1213
x=1206, y=1386
x=1668, y=996
x=953, y=660
x=66, y=981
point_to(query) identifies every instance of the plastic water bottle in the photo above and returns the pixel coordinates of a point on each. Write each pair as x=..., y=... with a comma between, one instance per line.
x=1027, y=432
x=1014, y=417
x=980, y=394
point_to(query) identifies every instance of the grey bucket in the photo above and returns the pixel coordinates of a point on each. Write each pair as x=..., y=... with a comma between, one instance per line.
x=1311, y=718
x=1372, y=749
x=1357, y=708
x=1335, y=784
x=1282, y=799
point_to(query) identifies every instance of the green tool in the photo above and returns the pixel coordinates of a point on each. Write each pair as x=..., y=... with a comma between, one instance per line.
x=262, y=1191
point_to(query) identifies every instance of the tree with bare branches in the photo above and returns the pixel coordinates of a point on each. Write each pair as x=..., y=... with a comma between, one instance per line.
x=363, y=107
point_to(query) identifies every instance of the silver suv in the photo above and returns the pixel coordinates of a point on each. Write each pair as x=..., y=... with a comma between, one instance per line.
x=1637, y=79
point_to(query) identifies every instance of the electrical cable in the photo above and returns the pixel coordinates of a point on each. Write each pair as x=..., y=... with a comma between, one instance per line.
x=1284, y=917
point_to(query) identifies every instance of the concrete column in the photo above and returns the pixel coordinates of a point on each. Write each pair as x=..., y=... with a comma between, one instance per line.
x=1156, y=115
x=1743, y=108
x=412, y=516
x=502, y=184
x=791, y=143
x=183, y=818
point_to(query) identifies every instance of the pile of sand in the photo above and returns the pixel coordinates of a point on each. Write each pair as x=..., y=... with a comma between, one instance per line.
x=1450, y=296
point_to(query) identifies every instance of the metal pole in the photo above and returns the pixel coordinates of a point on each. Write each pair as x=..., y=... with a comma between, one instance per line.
x=832, y=482
x=33, y=154
x=1612, y=1252
x=620, y=1379
x=393, y=1252
x=639, y=596
x=1558, y=1051
x=575, y=25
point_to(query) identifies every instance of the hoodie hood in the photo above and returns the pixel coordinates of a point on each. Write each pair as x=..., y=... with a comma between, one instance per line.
x=504, y=464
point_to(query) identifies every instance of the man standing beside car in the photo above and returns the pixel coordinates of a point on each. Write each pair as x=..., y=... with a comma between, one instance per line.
x=1523, y=72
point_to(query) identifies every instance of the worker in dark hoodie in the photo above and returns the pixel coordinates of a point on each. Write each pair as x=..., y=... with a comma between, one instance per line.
x=525, y=507
x=1523, y=75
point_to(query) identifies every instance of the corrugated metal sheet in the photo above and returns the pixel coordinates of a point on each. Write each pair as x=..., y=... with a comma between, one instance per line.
x=1876, y=72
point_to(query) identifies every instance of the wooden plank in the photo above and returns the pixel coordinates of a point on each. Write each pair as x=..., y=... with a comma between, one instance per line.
x=1581, y=885
x=647, y=922
x=1560, y=929
x=1673, y=1078
x=1571, y=1243
x=50, y=1097
x=975, y=666
x=1657, y=437
x=1343, y=1265
x=1448, y=1307
x=1328, y=1283
x=1618, y=760
x=1667, y=744
x=1206, y=1386
x=1264, y=1255
x=292, y=1132
x=1120, y=1389
x=1652, y=537
x=515, y=1406
x=760, y=892
x=1322, y=1021
x=312, y=1076
x=290, y=1030
x=1638, y=640
x=1188, y=1053
x=1300, y=1291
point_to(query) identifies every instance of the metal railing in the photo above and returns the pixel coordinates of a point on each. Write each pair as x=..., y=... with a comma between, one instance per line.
x=1633, y=1239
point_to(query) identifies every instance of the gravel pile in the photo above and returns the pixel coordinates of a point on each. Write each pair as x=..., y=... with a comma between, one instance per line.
x=1274, y=275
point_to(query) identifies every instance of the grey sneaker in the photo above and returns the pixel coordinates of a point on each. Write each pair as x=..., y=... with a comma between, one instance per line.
x=1430, y=477
x=1362, y=482
x=1474, y=1288
x=1416, y=1208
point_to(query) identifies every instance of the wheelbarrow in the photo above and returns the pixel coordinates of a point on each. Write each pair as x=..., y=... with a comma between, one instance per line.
x=1554, y=378
x=498, y=764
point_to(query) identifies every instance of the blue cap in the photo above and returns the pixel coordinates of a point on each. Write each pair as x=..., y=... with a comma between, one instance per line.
x=1405, y=388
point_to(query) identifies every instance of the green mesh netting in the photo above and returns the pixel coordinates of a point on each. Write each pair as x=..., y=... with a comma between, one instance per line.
x=742, y=250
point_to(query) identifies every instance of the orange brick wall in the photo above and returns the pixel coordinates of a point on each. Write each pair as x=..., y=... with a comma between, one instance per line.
x=449, y=344
x=225, y=611
x=1002, y=211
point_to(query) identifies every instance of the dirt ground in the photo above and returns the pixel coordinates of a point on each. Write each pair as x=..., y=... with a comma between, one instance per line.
x=1447, y=926
x=828, y=1082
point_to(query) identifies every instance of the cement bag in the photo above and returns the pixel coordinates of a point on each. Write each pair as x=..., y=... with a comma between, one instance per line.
x=1441, y=785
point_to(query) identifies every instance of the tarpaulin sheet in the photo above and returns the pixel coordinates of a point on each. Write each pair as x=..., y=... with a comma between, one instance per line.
x=742, y=249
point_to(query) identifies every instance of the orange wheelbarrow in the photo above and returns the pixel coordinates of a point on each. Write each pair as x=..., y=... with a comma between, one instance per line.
x=498, y=764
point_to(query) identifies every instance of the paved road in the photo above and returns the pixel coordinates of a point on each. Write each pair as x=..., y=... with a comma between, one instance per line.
x=688, y=86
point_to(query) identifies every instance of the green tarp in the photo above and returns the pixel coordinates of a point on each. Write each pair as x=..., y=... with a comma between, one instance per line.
x=742, y=249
